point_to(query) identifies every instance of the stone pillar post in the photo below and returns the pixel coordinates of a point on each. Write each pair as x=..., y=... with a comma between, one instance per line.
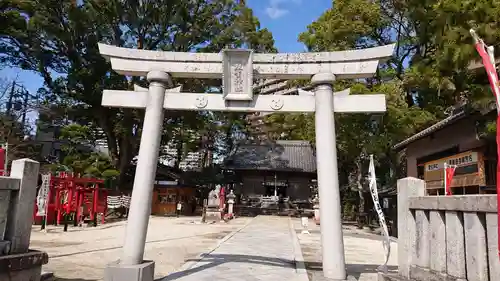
x=407, y=187
x=140, y=205
x=328, y=182
x=20, y=218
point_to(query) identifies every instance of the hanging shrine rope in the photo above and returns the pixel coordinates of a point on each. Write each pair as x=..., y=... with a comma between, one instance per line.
x=115, y=202
x=488, y=58
x=373, y=190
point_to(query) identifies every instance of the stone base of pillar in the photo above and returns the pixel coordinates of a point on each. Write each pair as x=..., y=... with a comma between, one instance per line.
x=213, y=214
x=22, y=267
x=139, y=272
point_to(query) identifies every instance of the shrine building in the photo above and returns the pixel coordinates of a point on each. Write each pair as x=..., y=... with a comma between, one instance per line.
x=457, y=140
x=283, y=168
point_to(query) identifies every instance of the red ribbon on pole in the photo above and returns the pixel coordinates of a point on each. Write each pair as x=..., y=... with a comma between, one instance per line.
x=488, y=59
x=222, y=196
x=2, y=162
x=449, y=172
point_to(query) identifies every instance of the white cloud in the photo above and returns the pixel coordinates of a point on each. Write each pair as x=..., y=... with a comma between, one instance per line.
x=276, y=8
x=275, y=12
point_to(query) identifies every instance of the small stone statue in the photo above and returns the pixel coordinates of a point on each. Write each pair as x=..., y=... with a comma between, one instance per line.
x=213, y=212
x=213, y=197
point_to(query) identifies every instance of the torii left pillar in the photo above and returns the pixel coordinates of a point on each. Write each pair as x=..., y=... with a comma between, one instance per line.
x=332, y=242
x=132, y=267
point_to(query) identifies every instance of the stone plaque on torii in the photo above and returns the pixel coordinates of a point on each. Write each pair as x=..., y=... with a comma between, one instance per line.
x=238, y=69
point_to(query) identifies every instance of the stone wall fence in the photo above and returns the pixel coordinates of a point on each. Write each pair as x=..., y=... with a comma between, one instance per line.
x=448, y=238
x=17, y=201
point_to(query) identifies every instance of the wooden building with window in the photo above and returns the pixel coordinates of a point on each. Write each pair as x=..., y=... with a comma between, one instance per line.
x=168, y=190
x=457, y=140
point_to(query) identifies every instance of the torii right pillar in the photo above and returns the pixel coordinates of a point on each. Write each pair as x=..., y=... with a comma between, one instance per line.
x=328, y=181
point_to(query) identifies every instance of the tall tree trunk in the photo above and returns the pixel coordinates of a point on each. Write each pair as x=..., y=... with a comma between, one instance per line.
x=359, y=185
x=121, y=149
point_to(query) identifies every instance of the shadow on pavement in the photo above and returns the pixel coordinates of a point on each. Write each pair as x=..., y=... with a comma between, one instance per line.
x=207, y=235
x=215, y=260
x=49, y=276
x=71, y=279
x=355, y=270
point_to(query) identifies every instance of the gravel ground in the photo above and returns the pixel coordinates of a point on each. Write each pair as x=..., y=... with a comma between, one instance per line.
x=363, y=252
x=81, y=254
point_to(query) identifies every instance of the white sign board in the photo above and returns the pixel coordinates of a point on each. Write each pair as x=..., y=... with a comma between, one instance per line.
x=305, y=225
x=42, y=198
x=305, y=222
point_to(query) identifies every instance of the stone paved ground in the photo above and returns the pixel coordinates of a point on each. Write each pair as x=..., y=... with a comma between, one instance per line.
x=364, y=252
x=82, y=254
x=261, y=251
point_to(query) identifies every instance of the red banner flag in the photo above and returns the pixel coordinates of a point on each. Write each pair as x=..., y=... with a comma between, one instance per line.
x=2, y=162
x=490, y=70
x=488, y=58
x=449, y=172
x=222, y=196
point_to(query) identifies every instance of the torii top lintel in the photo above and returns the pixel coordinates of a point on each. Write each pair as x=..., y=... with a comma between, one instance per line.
x=344, y=64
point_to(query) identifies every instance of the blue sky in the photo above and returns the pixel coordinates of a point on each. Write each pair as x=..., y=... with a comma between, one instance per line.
x=286, y=19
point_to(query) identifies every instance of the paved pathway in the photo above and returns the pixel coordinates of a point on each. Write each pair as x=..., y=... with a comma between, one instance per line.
x=363, y=252
x=262, y=250
x=81, y=254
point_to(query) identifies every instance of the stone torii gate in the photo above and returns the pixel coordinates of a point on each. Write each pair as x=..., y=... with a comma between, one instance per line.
x=238, y=69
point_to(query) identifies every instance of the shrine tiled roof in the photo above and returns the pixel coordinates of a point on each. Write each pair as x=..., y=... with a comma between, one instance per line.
x=459, y=113
x=427, y=131
x=281, y=155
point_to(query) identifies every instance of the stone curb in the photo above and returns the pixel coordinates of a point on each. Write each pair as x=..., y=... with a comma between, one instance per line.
x=298, y=258
x=188, y=265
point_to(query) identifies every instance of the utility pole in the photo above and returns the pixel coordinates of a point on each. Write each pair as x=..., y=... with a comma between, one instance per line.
x=25, y=109
x=11, y=96
x=5, y=145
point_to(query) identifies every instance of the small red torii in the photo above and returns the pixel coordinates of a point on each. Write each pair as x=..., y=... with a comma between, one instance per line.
x=74, y=195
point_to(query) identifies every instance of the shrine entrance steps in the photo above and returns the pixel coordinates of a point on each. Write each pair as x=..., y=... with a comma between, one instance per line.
x=264, y=249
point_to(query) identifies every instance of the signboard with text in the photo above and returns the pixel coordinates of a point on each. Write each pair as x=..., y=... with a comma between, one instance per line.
x=462, y=159
x=469, y=170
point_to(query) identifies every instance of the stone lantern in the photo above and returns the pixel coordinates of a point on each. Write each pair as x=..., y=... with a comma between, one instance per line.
x=315, y=202
x=230, y=202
